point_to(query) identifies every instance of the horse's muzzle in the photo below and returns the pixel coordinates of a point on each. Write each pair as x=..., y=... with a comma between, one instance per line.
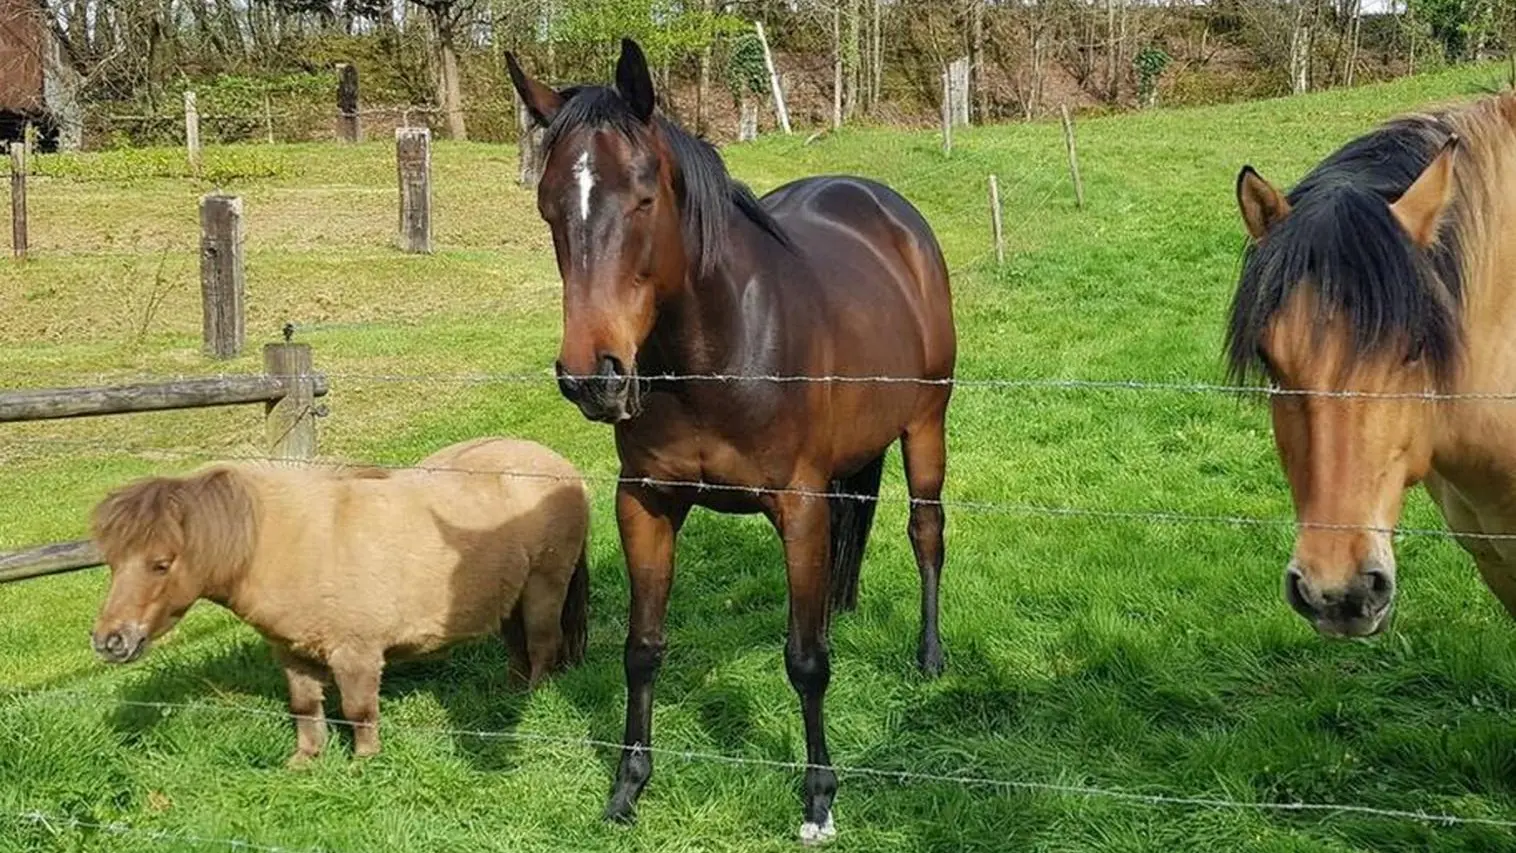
x=613, y=394
x=122, y=645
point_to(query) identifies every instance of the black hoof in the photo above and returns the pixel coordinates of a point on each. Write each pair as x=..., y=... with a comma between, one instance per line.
x=930, y=661
x=620, y=811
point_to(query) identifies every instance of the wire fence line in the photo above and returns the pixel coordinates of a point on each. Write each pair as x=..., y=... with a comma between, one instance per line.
x=984, y=507
x=900, y=776
x=975, y=382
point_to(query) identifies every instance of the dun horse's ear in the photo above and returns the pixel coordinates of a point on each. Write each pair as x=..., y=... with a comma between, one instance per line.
x=1419, y=210
x=1262, y=206
x=633, y=80
x=542, y=103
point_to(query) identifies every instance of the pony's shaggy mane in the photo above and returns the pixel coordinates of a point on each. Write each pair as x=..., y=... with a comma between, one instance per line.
x=1341, y=239
x=208, y=519
x=703, y=185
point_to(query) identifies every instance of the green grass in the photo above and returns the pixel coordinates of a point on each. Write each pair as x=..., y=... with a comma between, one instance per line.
x=1145, y=658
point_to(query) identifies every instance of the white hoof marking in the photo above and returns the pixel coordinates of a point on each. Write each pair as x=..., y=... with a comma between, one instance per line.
x=812, y=834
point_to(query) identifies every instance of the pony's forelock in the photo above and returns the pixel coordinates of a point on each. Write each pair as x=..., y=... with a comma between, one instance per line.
x=208, y=519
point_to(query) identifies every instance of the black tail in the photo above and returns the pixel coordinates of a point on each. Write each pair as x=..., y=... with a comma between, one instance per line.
x=576, y=613
x=852, y=519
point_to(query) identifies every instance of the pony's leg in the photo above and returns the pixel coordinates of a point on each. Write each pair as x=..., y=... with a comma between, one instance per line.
x=924, y=447
x=307, y=685
x=357, y=676
x=649, y=525
x=541, y=621
x=804, y=524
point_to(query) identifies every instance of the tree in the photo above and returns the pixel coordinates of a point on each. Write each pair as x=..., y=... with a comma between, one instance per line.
x=449, y=19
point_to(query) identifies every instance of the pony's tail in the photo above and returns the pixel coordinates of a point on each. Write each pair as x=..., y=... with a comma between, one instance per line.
x=852, y=519
x=576, y=612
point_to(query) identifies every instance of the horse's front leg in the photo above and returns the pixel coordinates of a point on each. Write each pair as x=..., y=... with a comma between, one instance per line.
x=649, y=525
x=804, y=523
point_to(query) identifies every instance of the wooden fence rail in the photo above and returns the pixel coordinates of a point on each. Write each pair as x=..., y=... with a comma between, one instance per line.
x=287, y=390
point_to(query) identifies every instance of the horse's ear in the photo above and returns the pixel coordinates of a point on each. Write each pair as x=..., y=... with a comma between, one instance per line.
x=1419, y=209
x=542, y=103
x=633, y=81
x=1262, y=206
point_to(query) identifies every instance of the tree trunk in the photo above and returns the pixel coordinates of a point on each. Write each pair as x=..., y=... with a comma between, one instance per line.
x=854, y=56
x=877, y=66
x=976, y=64
x=1355, y=20
x=1300, y=45
x=837, y=65
x=449, y=87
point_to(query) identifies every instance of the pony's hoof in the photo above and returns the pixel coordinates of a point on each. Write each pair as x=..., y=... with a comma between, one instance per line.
x=299, y=761
x=812, y=834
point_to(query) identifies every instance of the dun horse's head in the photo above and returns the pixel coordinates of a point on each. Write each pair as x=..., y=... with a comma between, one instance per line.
x=168, y=541
x=608, y=192
x=1348, y=307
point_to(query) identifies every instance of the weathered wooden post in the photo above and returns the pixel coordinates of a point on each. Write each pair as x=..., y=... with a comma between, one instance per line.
x=290, y=421
x=222, y=280
x=192, y=131
x=958, y=90
x=529, y=145
x=413, y=158
x=18, y=199
x=347, y=103
x=947, y=113
x=774, y=84
x=747, y=122
x=995, y=221
x=1068, y=141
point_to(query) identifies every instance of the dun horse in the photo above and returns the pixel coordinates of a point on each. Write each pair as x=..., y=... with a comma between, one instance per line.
x=1388, y=273
x=671, y=268
x=341, y=569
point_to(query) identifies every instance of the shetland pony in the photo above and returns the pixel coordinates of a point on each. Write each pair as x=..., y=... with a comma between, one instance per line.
x=670, y=267
x=343, y=569
x=1389, y=273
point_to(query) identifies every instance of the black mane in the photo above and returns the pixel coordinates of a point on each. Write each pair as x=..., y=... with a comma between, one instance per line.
x=1341, y=237
x=703, y=185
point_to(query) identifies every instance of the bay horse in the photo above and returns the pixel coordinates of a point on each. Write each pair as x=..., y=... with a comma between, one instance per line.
x=342, y=569
x=1388, y=273
x=670, y=269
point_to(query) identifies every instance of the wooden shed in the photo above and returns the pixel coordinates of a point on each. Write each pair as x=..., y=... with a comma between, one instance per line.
x=37, y=84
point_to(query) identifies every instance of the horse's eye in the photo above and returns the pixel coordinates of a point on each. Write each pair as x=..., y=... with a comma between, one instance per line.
x=645, y=204
x=162, y=566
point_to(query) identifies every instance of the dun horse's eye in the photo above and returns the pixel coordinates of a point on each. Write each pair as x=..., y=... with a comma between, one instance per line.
x=162, y=566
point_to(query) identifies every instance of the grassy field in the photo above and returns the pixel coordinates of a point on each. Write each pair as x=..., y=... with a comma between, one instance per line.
x=1140, y=657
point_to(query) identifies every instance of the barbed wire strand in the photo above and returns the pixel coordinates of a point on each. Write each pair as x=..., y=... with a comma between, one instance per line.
x=699, y=486
x=898, y=776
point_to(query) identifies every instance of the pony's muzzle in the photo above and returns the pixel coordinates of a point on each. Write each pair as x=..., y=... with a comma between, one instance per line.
x=610, y=395
x=1359, y=608
x=120, y=645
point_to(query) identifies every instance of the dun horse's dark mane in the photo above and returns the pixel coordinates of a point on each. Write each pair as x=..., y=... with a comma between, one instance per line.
x=701, y=180
x=1342, y=239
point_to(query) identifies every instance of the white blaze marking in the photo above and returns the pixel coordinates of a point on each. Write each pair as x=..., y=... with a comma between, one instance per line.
x=586, y=180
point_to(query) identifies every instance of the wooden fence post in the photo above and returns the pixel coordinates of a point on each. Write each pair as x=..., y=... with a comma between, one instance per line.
x=290, y=422
x=995, y=221
x=947, y=113
x=347, y=103
x=747, y=122
x=768, y=61
x=1068, y=141
x=222, y=281
x=192, y=131
x=18, y=199
x=413, y=157
x=958, y=90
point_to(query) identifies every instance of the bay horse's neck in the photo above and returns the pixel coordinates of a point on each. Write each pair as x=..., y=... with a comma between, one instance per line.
x=709, y=324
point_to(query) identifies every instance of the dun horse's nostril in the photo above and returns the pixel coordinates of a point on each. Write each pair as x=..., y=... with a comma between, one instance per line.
x=1380, y=582
x=115, y=643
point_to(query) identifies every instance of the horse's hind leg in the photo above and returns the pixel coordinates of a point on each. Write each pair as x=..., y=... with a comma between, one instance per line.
x=924, y=447
x=541, y=610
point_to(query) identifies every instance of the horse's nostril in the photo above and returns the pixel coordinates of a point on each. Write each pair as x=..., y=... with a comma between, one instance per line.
x=1381, y=584
x=115, y=643
x=611, y=366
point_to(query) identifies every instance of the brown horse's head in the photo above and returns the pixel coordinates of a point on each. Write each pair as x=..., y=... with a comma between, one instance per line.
x=168, y=542
x=639, y=209
x=1349, y=286
x=607, y=192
